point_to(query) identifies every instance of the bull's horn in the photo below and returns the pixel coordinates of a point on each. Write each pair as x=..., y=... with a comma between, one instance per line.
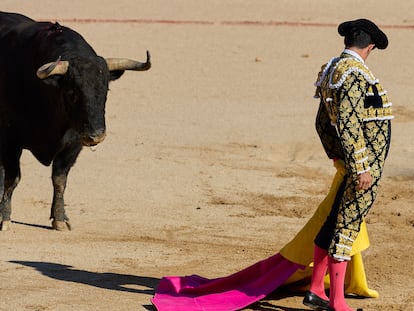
x=54, y=68
x=128, y=64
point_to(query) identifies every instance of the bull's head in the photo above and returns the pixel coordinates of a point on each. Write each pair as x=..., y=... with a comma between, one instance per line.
x=60, y=67
x=84, y=88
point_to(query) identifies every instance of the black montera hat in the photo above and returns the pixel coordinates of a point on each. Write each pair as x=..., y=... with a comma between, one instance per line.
x=378, y=37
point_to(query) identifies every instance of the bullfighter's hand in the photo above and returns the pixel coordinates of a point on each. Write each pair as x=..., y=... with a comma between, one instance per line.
x=364, y=181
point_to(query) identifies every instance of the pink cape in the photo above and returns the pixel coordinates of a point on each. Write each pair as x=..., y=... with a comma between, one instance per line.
x=233, y=292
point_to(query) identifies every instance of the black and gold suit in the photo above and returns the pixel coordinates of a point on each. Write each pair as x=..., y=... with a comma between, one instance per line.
x=354, y=125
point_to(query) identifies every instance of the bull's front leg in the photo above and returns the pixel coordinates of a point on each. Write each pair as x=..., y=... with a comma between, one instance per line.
x=60, y=170
x=2, y=176
x=58, y=216
x=5, y=205
x=9, y=178
x=3, y=208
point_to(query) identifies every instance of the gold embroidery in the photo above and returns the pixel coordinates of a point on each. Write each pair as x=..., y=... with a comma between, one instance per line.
x=358, y=106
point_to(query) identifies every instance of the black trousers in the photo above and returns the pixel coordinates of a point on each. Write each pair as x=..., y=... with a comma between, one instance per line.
x=326, y=233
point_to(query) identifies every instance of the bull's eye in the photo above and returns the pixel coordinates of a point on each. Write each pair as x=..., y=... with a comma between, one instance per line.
x=72, y=96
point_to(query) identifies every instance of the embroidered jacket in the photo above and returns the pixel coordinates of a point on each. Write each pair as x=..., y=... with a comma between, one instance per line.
x=350, y=98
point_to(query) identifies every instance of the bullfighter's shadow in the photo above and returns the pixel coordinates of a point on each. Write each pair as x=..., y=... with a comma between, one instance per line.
x=269, y=303
x=106, y=280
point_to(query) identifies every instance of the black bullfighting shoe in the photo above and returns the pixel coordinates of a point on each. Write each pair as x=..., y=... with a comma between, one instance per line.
x=315, y=302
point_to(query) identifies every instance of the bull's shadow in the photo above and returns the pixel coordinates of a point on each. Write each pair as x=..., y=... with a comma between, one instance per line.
x=32, y=225
x=106, y=280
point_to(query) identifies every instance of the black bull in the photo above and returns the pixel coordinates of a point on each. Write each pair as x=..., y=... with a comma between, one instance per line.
x=53, y=89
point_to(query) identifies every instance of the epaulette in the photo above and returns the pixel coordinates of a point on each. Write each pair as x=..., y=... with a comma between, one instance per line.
x=344, y=67
x=324, y=71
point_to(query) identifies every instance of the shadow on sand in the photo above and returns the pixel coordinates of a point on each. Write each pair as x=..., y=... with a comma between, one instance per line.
x=32, y=225
x=106, y=280
x=269, y=303
x=132, y=283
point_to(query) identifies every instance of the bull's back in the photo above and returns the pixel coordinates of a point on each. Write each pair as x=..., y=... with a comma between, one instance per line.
x=10, y=20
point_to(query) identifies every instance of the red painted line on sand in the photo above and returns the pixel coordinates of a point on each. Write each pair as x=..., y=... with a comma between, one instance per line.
x=200, y=22
x=130, y=21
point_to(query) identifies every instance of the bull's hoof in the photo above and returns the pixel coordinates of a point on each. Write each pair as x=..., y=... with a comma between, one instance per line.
x=61, y=225
x=5, y=225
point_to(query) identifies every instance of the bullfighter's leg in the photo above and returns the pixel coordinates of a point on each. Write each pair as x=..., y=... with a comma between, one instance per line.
x=60, y=170
x=11, y=175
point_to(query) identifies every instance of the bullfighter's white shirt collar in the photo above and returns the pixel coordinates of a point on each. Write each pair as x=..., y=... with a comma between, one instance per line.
x=354, y=54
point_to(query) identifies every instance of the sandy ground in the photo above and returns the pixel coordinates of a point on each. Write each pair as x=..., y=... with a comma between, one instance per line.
x=211, y=161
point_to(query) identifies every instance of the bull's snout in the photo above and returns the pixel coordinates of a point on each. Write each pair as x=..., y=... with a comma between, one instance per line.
x=93, y=139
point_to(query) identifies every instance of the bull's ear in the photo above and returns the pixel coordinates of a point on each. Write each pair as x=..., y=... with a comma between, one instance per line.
x=52, y=72
x=115, y=74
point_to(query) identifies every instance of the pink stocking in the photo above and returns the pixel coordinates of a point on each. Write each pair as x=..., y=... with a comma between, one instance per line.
x=320, y=266
x=337, y=271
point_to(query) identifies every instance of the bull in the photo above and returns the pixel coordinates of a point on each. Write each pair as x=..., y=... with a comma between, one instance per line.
x=53, y=90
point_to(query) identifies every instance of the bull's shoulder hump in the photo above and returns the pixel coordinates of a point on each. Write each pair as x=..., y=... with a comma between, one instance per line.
x=11, y=19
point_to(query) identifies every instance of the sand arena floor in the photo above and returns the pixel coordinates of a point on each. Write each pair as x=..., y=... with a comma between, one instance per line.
x=211, y=160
